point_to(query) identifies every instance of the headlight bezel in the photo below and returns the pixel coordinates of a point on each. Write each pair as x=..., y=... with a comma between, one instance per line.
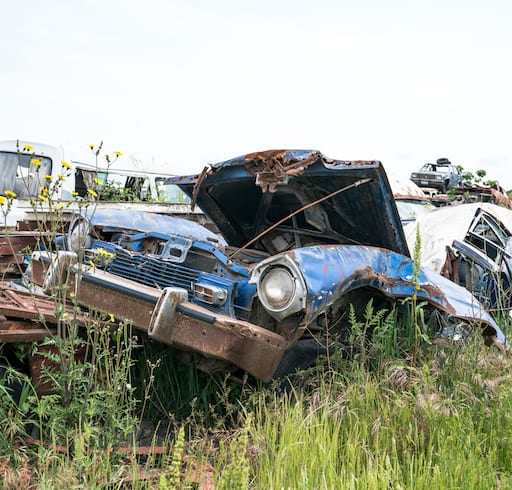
x=296, y=299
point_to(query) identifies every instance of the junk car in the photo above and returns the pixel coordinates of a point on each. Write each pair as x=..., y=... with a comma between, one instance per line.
x=301, y=238
x=410, y=199
x=471, y=244
x=441, y=175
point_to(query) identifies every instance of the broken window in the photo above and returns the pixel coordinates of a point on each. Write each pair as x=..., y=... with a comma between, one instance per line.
x=488, y=235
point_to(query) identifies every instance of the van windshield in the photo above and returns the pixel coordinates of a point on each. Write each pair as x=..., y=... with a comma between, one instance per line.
x=23, y=173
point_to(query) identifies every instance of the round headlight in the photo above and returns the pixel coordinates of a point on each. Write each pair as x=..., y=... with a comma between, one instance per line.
x=277, y=288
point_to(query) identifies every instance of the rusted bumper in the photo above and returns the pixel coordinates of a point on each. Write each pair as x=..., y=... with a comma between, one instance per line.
x=167, y=316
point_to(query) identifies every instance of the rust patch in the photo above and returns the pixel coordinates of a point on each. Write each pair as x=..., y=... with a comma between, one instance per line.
x=204, y=173
x=390, y=282
x=274, y=166
x=270, y=167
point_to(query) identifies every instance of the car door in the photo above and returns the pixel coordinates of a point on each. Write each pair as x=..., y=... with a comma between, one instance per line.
x=485, y=261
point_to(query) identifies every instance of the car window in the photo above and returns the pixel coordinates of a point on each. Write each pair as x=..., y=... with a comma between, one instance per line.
x=488, y=235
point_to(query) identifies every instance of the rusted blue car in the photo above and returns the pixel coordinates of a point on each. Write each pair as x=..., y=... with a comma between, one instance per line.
x=297, y=239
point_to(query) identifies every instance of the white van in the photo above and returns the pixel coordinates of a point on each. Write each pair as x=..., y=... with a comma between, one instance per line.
x=140, y=178
x=130, y=182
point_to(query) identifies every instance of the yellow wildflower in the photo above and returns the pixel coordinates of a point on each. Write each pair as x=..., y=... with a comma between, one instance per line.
x=28, y=148
x=36, y=162
x=47, y=177
x=66, y=165
x=92, y=192
x=61, y=178
x=43, y=198
x=98, y=181
x=58, y=207
x=74, y=194
x=3, y=200
x=104, y=253
x=111, y=318
x=91, y=146
x=43, y=190
x=118, y=153
x=10, y=194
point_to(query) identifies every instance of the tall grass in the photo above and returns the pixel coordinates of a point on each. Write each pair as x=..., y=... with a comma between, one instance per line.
x=414, y=428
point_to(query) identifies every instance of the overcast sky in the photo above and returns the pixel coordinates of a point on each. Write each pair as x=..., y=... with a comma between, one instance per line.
x=196, y=82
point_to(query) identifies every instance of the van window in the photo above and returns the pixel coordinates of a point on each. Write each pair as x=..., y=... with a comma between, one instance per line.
x=170, y=193
x=18, y=174
x=115, y=187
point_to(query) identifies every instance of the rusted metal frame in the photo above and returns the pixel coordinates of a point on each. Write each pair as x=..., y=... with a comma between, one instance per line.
x=23, y=331
x=26, y=306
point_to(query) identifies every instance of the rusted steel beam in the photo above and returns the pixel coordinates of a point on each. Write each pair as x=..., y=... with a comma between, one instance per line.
x=23, y=331
x=27, y=306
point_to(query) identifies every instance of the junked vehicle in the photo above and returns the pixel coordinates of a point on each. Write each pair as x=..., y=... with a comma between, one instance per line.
x=24, y=165
x=303, y=237
x=410, y=199
x=441, y=175
x=472, y=245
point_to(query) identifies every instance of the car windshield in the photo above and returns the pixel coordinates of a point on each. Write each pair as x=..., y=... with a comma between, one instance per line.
x=433, y=167
x=23, y=173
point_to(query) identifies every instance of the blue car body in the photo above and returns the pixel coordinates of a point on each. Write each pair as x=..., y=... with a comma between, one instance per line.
x=301, y=237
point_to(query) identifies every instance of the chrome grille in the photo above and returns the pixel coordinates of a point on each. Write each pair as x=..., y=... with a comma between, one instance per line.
x=150, y=271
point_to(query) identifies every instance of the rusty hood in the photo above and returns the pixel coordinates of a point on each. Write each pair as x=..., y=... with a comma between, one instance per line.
x=282, y=199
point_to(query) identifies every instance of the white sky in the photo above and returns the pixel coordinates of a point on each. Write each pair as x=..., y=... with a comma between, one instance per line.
x=196, y=82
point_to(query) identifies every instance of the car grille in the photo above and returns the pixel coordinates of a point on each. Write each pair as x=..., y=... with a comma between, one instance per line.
x=148, y=270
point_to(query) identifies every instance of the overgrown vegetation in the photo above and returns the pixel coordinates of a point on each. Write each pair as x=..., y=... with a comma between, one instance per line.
x=477, y=178
x=399, y=412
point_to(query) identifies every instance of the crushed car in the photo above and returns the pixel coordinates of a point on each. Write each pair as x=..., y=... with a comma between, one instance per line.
x=301, y=238
x=441, y=175
x=471, y=244
x=410, y=199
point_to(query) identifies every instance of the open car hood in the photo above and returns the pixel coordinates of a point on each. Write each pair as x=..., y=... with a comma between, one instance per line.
x=312, y=199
